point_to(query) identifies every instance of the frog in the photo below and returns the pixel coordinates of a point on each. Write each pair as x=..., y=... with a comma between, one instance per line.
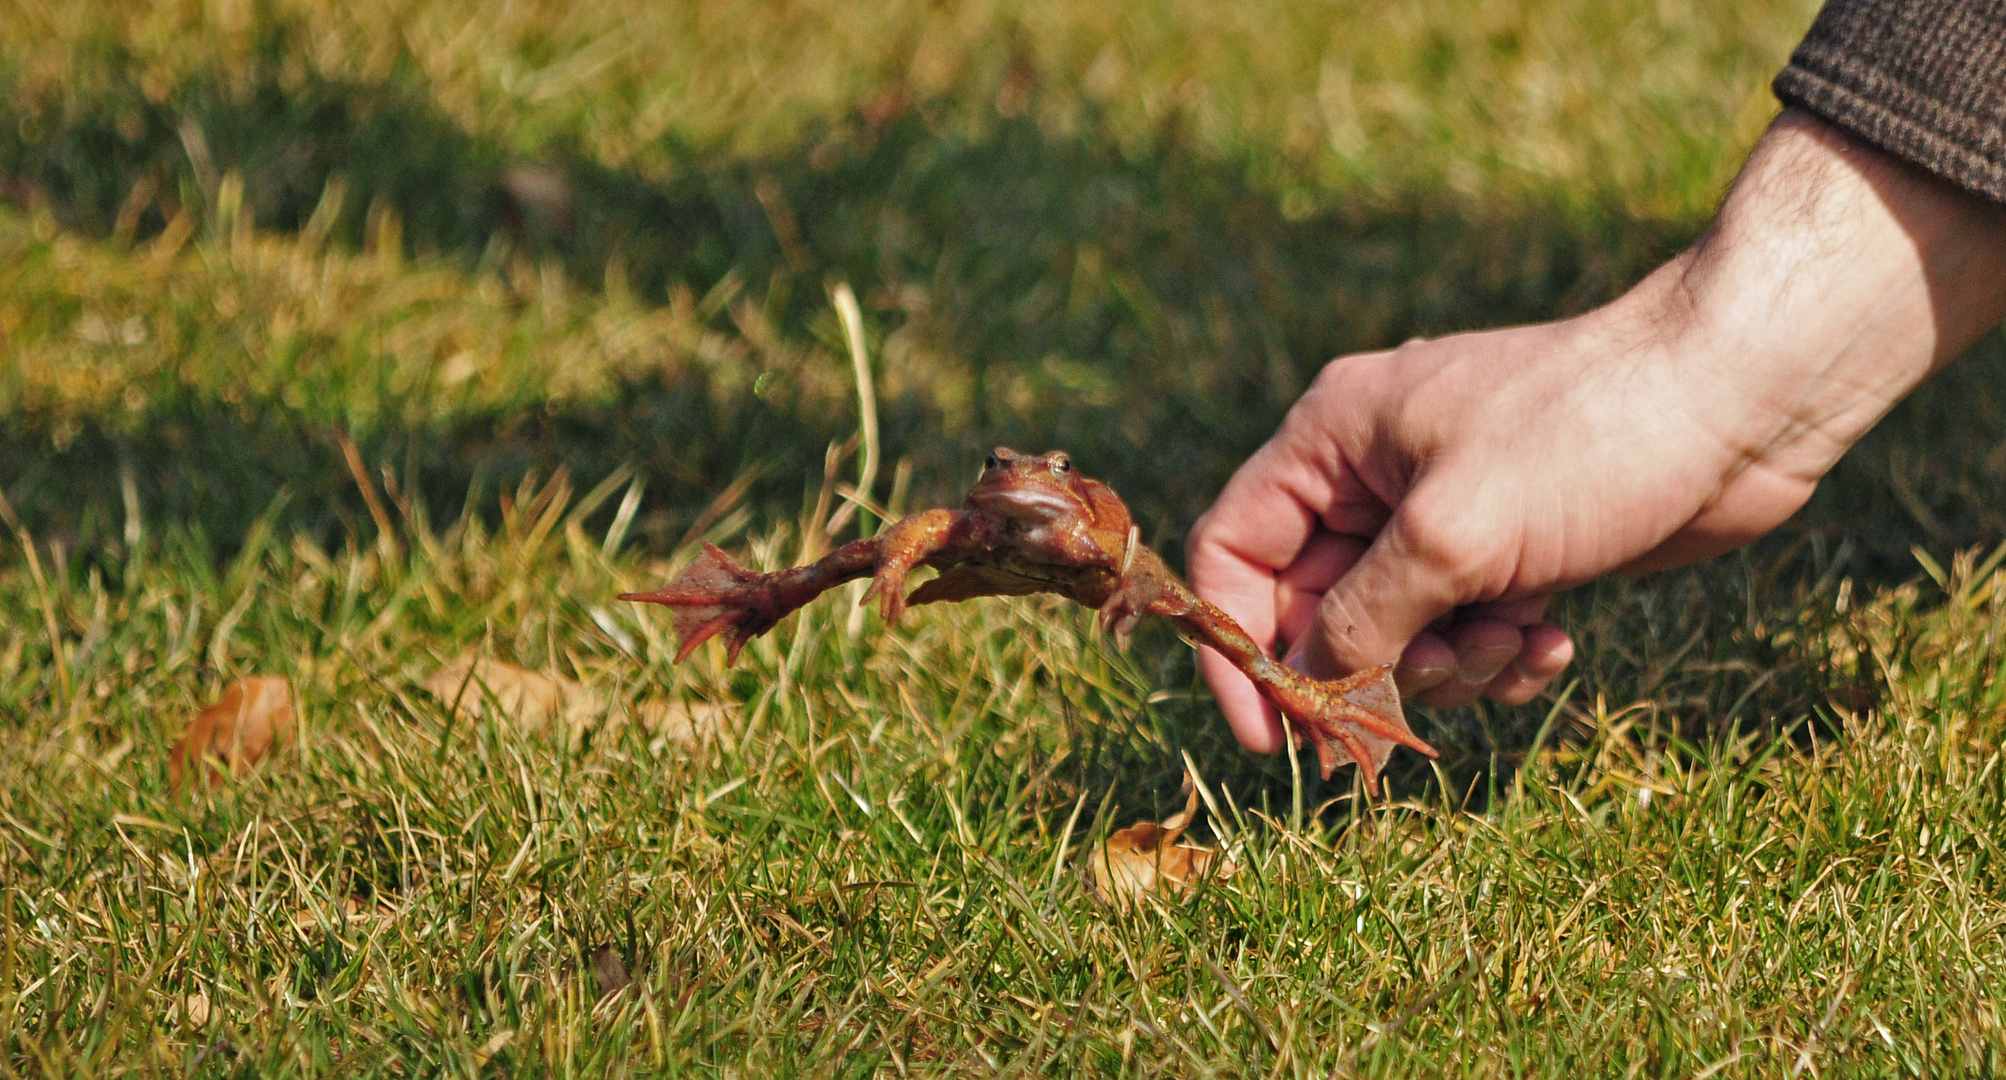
x=1032, y=523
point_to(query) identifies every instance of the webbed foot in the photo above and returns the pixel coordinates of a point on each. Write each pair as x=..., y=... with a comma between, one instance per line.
x=1354, y=719
x=716, y=595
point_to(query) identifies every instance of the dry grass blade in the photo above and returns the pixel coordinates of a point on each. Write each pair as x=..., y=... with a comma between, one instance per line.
x=816, y=526
x=1472, y=964
x=845, y=302
x=253, y=717
x=723, y=504
x=385, y=533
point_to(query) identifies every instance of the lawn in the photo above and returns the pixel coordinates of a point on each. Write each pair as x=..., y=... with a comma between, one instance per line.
x=349, y=343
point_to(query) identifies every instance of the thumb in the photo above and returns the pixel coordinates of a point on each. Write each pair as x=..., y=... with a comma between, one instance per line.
x=1419, y=568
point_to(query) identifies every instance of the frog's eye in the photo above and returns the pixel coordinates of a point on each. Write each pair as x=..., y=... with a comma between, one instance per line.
x=993, y=462
x=1061, y=464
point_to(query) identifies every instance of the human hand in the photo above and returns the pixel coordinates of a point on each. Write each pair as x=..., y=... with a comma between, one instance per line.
x=1422, y=505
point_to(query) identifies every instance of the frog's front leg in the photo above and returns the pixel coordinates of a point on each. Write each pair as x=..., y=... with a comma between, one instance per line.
x=905, y=544
x=1139, y=582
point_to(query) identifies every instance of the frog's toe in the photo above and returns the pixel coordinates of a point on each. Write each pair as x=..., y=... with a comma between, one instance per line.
x=1343, y=745
x=736, y=638
x=698, y=625
x=1354, y=719
x=892, y=603
x=1118, y=619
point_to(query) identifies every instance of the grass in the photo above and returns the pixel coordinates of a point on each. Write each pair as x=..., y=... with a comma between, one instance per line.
x=861, y=863
x=1755, y=835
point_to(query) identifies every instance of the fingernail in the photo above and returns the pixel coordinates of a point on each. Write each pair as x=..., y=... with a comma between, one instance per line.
x=1417, y=680
x=1483, y=667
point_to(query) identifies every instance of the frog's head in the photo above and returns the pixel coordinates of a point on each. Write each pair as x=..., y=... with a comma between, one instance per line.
x=1032, y=488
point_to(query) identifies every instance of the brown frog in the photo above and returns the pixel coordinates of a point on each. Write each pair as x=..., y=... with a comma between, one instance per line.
x=1033, y=524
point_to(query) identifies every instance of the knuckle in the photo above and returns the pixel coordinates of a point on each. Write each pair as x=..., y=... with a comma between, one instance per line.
x=1460, y=544
x=1203, y=531
x=1439, y=535
x=1335, y=371
x=1344, y=374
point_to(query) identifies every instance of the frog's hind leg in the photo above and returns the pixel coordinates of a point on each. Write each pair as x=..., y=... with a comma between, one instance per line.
x=1356, y=718
x=715, y=595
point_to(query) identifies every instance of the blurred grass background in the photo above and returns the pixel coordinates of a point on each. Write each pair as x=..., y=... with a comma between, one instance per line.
x=1105, y=230
x=488, y=242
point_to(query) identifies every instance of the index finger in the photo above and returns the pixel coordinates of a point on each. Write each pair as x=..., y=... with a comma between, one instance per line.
x=1258, y=527
x=1245, y=592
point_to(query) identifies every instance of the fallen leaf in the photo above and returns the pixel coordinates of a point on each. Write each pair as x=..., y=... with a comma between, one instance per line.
x=609, y=971
x=496, y=1044
x=254, y=716
x=351, y=909
x=195, y=1009
x=686, y=722
x=473, y=686
x=1147, y=859
x=470, y=686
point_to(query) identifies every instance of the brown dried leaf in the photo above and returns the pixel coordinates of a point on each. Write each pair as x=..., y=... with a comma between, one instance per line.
x=609, y=971
x=254, y=716
x=351, y=909
x=686, y=722
x=496, y=1044
x=472, y=686
x=1147, y=859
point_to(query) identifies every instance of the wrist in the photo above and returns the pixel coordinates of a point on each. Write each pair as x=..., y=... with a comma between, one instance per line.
x=1834, y=280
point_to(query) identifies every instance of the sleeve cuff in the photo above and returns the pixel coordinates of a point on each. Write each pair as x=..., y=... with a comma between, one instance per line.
x=1888, y=119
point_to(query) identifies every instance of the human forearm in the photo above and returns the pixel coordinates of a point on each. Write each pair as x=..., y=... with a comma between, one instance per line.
x=1834, y=280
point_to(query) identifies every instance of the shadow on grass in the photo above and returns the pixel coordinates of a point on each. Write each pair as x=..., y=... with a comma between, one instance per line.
x=1146, y=308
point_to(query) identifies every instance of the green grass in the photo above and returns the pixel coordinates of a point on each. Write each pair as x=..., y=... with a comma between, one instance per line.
x=1756, y=835
x=864, y=864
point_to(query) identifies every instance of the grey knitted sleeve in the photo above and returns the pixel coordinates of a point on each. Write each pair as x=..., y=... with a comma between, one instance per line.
x=1924, y=80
